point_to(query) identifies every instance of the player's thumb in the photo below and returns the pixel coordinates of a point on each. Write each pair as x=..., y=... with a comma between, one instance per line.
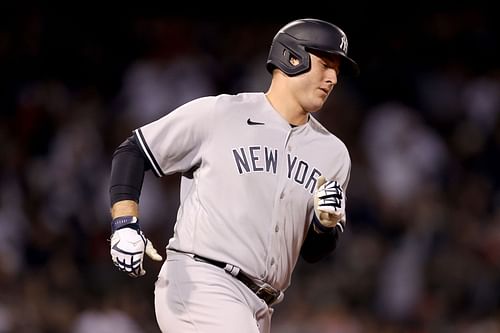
x=321, y=180
x=151, y=251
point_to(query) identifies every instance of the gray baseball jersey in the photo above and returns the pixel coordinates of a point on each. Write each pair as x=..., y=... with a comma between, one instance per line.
x=248, y=179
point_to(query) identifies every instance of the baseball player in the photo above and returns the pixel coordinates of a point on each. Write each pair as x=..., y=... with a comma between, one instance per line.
x=263, y=182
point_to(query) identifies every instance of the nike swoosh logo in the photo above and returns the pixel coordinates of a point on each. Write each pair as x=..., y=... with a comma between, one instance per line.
x=250, y=122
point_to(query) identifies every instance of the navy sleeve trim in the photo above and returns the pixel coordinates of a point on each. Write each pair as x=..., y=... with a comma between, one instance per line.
x=155, y=166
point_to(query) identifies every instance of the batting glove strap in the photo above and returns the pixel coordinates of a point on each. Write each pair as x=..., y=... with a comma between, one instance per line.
x=125, y=222
x=340, y=225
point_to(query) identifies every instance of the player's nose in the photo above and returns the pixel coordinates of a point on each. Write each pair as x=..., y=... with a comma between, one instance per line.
x=331, y=77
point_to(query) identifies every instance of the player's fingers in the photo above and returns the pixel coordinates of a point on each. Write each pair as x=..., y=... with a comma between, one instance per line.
x=329, y=209
x=321, y=180
x=151, y=251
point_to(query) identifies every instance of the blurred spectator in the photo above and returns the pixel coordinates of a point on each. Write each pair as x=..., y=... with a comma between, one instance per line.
x=171, y=71
x=404, y=154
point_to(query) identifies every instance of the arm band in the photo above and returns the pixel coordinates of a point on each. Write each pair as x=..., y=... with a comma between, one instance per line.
x=318, y=245
x=127, y=172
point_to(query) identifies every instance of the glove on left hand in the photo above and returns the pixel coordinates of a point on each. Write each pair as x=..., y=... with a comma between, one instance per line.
x=128, y=246
x=329, y=203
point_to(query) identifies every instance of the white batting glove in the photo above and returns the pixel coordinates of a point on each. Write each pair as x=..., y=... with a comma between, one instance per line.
x=329, y=204
x=128, y=245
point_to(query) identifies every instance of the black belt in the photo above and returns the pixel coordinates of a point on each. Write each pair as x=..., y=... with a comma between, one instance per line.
x=263, y=291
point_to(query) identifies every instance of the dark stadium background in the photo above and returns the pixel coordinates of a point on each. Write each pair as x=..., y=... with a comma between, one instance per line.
x=422, y=122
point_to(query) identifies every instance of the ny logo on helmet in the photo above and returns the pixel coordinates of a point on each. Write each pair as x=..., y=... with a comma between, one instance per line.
x=343, y=43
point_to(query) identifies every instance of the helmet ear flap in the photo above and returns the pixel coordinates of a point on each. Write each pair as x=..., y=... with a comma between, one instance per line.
x=287, y=55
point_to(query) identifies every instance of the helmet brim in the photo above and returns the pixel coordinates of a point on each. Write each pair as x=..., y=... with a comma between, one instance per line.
x=347, y=66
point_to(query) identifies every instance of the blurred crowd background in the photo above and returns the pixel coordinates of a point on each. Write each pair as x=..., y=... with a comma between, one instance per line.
x=422, y=249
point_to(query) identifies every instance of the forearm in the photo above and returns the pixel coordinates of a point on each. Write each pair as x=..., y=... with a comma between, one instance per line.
x=328, y=221
x=127, y=175
x=318, y=245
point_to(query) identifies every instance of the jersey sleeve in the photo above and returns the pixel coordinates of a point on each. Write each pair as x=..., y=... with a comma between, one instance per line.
x=174, y=142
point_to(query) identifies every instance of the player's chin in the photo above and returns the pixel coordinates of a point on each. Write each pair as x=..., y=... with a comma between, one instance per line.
x=316, y=104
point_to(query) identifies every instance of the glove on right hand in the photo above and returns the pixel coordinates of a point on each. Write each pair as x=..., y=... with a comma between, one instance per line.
x=329, y=203
x=128, y=246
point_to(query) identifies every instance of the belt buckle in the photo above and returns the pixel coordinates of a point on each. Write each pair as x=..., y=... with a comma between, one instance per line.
x=268, y=293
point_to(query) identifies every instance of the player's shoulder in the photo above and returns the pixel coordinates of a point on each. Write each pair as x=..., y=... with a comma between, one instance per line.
x=327, y=137
x=317, y=126
x=243, y=97
x=224, y=103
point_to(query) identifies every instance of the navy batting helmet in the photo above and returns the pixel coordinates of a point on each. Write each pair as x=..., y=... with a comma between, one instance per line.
x=297, y=38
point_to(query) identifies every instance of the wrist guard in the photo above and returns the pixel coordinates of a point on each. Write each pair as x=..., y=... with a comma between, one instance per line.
x=125, y=222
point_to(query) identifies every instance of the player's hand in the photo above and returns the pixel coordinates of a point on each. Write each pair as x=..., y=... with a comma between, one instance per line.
x=128, y=246
x=329, y=203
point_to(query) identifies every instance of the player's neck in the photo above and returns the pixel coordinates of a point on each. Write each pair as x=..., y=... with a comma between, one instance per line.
x=287, y=108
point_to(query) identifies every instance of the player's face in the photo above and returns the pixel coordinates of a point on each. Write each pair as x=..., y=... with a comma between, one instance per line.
x=313, y=87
